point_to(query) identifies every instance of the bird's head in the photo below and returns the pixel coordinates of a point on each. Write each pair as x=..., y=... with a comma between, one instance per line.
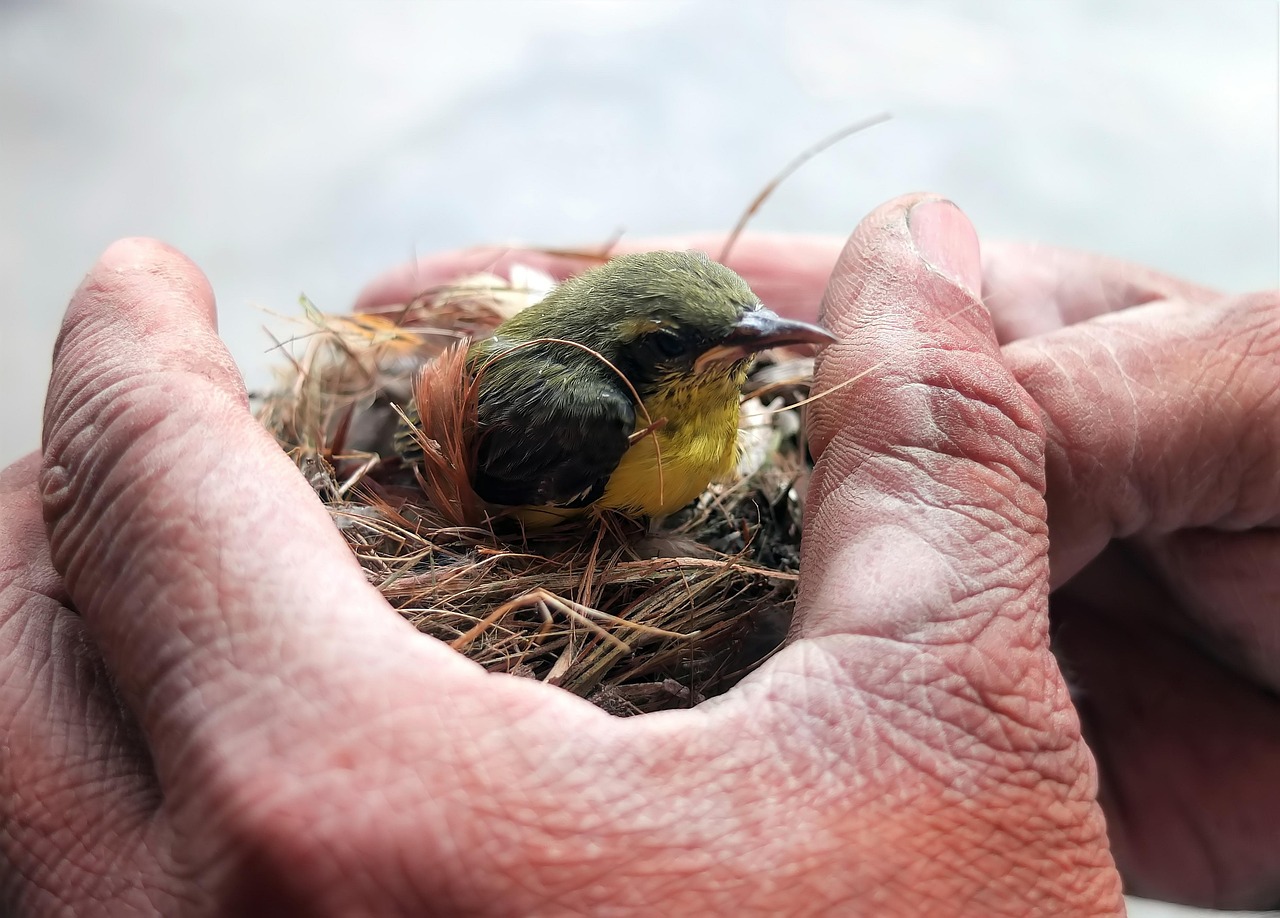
x=659, y=316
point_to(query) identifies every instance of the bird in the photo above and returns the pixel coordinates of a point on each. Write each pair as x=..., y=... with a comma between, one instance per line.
x=631, y=365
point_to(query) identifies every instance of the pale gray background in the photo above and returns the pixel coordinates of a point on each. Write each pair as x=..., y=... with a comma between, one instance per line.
x=304, y=146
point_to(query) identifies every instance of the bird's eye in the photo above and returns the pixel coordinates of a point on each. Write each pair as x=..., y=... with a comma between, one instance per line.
x=669, y=344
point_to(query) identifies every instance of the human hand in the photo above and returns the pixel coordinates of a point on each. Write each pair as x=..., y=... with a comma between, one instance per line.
x=285, y=744
x=1163, y=496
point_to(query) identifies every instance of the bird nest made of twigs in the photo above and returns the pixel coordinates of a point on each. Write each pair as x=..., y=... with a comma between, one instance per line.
x=632, y=616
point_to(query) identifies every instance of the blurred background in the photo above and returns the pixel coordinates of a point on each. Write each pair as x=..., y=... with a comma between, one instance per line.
x=294, y=147
x=302, y=147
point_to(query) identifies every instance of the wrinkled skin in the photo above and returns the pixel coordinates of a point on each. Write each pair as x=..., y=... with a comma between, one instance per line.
x=233, y=722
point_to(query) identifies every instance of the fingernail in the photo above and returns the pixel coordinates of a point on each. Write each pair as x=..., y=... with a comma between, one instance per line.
x=947, y=242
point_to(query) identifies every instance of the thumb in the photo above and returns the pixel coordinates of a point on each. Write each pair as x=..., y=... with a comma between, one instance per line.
x=927, y=497
x=921, y=632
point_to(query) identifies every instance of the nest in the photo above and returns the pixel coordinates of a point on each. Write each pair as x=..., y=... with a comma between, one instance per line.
x=632, y=617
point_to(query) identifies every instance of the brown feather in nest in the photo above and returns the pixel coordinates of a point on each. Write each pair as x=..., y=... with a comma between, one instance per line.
x=444, y=428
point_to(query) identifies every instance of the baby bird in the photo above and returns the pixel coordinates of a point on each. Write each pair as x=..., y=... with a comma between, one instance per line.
x=559, y=427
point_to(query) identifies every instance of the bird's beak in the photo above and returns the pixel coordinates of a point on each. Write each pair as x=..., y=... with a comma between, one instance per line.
x=759, y=330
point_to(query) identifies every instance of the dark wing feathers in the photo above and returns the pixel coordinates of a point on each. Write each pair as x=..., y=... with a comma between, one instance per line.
x=550, y=437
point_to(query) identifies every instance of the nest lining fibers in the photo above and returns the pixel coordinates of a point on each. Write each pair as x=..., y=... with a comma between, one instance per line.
x=631, y=619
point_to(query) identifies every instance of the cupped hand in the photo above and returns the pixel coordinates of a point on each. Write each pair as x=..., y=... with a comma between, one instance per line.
x=1160, y=399
x=236, y=723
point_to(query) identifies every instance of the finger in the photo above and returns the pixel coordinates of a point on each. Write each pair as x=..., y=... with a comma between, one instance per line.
x=1159, y=418
x=789, y=273
x=1028, y=289
x=1033, y=289
x=74, y=779
x=204, y=566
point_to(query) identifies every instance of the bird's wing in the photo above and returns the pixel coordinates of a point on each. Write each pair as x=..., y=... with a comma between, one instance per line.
x=551, y=437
